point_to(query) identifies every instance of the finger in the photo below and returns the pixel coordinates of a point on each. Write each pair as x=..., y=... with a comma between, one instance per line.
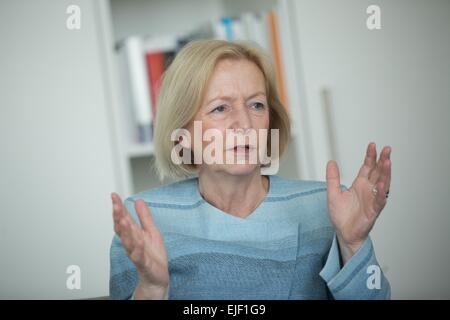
x=125, y=234
x=388, y=170
x=136, y=233
x=385, y=176
x=145, y=216
x=375, y=174
x=386, y=153
x=123, y=227
x=136, y=246
x=117, y=229
x=373, y=160
x=333, y=179
x=369, y=160
x=117, y=207
x=380, y=197
x=119, y=211
x=131, y=234
x=138, y=243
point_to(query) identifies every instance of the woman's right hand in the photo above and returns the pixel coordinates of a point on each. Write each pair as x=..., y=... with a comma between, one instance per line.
x=145, y=247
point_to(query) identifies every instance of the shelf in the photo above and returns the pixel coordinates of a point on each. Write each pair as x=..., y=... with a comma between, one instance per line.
x=137, y=150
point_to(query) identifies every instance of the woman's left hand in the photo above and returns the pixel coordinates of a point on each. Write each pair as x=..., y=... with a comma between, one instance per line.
x=353, y=212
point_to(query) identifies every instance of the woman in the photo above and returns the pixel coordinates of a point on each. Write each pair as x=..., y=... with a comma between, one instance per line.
x=230, y=232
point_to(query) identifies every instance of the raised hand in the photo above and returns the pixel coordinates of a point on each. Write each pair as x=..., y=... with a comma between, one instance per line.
x=145, y=248
x=353, y=212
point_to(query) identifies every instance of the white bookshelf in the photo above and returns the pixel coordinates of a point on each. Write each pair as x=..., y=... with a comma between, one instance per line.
x=160, y=22
x=135, y=150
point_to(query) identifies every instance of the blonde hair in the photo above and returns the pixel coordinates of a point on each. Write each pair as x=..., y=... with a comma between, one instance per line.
x=182, y=90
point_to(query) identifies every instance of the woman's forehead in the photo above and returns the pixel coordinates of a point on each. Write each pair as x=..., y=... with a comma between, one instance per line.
x=232, y=67
x=233, y=77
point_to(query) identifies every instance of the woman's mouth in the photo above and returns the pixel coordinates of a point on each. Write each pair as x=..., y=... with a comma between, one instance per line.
x=242, y=148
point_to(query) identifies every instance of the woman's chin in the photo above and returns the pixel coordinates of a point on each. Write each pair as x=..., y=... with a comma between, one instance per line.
x=241, y=169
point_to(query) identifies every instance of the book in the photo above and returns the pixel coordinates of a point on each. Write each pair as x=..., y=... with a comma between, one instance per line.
x=159, y=52
x=137, y=96
x=155, y=70
x=277, y=56
x=255, y=29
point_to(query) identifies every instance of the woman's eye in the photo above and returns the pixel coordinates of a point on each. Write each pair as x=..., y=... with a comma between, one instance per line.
x=258, y=105
x=219, y=109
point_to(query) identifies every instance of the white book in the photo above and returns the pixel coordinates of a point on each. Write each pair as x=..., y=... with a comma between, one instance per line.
x=255, y=29
x=136, y=76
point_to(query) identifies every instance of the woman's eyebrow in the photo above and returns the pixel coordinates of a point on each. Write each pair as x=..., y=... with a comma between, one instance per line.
x=258, y=93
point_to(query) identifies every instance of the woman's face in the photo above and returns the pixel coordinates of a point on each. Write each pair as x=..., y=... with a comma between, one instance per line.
x=235, y=99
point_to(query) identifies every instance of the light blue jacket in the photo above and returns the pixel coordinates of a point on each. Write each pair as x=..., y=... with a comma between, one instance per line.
x=285, y=249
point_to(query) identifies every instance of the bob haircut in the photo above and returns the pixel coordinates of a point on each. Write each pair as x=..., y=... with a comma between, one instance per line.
x=182, y=91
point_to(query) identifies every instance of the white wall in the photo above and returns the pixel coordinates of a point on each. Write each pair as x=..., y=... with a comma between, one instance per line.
x=57, y=158
x=391, y=86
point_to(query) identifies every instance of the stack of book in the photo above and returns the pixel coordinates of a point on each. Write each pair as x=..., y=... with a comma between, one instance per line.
x=143, y=61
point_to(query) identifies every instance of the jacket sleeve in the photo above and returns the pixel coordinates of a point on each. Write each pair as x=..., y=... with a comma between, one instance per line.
x=360, y=278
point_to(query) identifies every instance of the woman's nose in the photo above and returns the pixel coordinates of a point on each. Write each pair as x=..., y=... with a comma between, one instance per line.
x=241, y=118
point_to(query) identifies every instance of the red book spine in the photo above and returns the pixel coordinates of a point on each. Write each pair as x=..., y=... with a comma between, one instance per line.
x=155, y=69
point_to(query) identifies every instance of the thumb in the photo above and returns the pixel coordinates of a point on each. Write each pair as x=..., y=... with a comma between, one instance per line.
x=333, y=179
